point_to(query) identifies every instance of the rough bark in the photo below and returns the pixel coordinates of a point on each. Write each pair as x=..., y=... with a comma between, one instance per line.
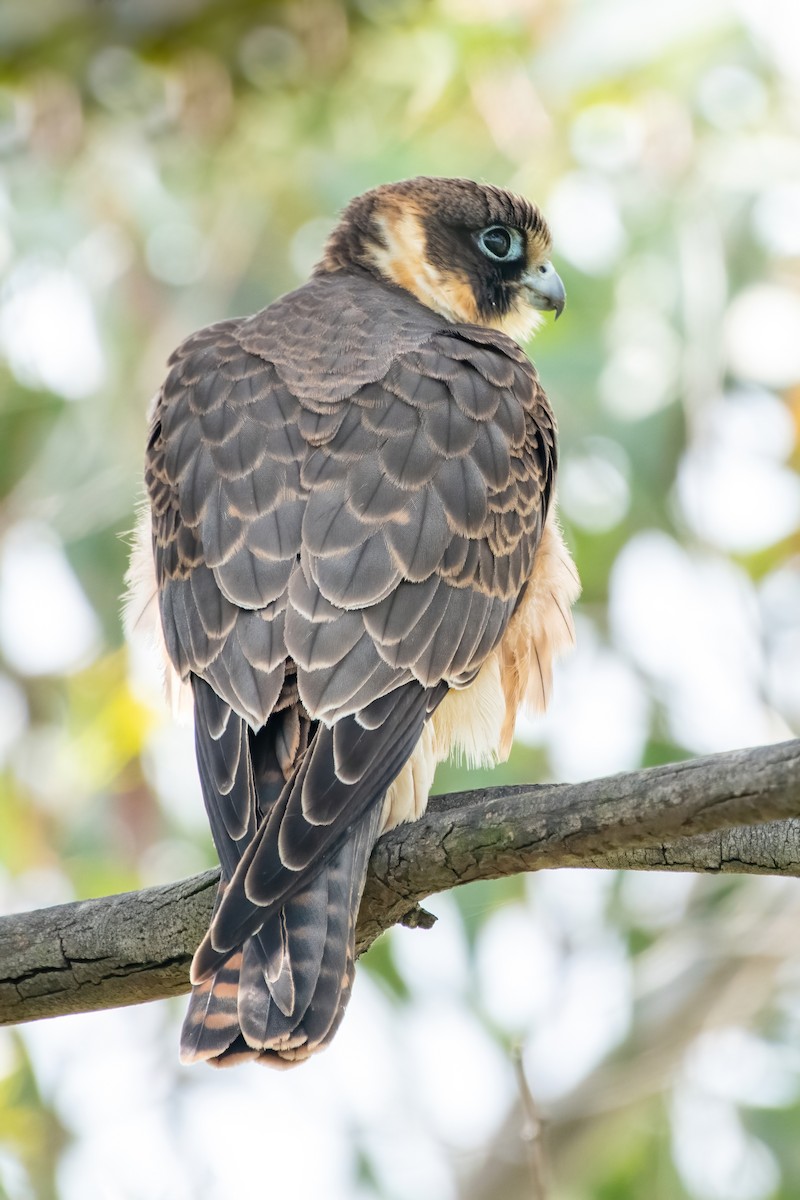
x=728, y=812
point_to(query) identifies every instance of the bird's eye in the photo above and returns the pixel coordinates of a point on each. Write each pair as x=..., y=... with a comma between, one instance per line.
x=500, y=243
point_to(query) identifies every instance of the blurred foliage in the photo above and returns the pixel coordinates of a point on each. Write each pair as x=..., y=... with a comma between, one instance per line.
x=163, y=165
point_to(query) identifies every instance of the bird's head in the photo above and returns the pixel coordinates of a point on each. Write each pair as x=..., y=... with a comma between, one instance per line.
x=471, y=252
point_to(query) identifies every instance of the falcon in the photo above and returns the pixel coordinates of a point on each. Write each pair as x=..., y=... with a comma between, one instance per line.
x=351, y=553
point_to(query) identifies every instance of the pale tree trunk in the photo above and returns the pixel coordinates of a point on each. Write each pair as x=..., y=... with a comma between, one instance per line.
x=735, y=812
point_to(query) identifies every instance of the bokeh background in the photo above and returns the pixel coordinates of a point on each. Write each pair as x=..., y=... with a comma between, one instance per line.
x=166, y=163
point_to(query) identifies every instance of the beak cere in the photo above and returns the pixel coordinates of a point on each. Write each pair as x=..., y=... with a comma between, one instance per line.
x=544, y=289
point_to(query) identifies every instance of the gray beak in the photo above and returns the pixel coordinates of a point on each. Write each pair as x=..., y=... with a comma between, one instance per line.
x=545, y=289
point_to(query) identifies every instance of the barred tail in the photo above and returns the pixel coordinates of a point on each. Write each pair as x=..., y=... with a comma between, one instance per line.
x=281, y=996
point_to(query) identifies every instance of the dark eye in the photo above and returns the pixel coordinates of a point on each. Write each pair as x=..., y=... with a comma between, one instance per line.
x=500, y=243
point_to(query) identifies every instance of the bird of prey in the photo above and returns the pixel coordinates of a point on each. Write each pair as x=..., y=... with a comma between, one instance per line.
x=351, y=545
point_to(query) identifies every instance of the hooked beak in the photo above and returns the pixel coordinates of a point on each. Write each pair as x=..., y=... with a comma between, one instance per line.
x=544, y=289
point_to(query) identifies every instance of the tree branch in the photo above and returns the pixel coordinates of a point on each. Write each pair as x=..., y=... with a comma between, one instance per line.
x=729, y=812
